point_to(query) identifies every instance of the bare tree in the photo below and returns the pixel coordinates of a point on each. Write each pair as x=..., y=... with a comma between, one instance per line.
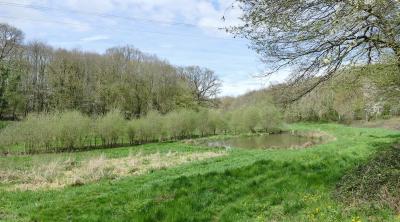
x=38, y=56
x=10, y=38
x=203, y=83
x=316, y=38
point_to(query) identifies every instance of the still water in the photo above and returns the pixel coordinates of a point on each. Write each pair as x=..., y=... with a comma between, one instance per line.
x=273, y=141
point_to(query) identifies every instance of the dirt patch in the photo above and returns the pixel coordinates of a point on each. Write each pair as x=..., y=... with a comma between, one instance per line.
x=58, y=174
x=377, y=181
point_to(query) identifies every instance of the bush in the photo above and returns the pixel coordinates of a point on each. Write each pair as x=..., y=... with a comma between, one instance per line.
x=110, y=128
x=39, y=132
x=250, y=119
x=202, y=125
x=155, y=125
x=73, y=130
x=235, y=121
x=173, y=124
x=271, y=118
x=132, y=128
x=181, y=123
x=9, y=136
x=209, y=121
x=188, y=123
x=214, y=121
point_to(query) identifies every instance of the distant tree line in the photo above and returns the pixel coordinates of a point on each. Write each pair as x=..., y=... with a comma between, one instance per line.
x=35, y=77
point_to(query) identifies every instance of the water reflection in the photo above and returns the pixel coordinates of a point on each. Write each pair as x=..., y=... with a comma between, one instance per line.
x=273, y=141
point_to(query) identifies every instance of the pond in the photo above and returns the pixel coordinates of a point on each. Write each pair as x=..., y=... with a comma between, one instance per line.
x=267, y=141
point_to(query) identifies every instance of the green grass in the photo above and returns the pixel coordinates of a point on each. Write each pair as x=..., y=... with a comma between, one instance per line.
x=246, y=185
x=3, y=124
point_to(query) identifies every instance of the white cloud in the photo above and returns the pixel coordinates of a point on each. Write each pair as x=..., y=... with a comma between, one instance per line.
x=241, y=87
x=95, y=38
x=167, y=46
x=100, y=6
x=205, y=14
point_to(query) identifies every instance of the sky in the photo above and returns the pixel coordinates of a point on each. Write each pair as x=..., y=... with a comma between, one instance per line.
x=183, y=32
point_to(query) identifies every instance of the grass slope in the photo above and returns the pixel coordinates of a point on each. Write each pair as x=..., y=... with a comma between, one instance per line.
x=246, y=185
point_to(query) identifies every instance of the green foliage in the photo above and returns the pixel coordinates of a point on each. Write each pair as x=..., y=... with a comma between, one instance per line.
x=132, y=130
x=150, y=128
x=181, y=123
x=374, y=181
x=73, y=129
x=271, y=118
x=235, y=122
x=48, y=132
x=39, y=132
x=261, y=117
x=214, y=121
x=110, y=127
x=250, y=118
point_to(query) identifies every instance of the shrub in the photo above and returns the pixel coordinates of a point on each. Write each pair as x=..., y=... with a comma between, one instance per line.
x=173, y=124
x=73, y=129
x=235, y=122
x=215, y=121
x=271, y=118
x=9, y=136
x=143, y=132
x=181, y=123
x=38, y=132
x=132, y=128
x=154, y=125
x=110, y=127
x=202, y=125
x=250, y=119
x=188, y=123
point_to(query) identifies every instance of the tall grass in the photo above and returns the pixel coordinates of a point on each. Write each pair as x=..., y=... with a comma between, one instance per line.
x=73, y=130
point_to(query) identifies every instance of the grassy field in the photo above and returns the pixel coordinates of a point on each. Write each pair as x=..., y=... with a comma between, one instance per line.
x=203, y=184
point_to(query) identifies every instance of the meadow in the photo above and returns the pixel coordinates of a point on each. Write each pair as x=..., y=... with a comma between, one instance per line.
x=92, y=132
x=197, y=183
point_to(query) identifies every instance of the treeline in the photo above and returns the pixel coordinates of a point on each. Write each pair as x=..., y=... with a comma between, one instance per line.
x=355, y=93
x=37, y=78
x=73, y=130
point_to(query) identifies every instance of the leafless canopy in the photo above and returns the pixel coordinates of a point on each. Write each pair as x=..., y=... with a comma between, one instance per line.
x=10, y=38
x=204, y=84
x=315, y=38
